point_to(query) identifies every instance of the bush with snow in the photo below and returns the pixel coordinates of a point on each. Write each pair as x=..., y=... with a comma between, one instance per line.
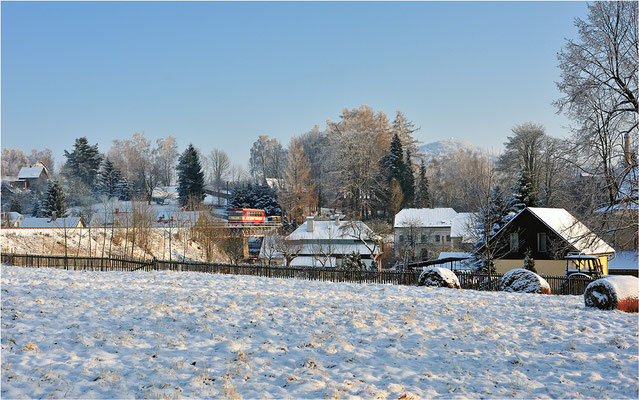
x=523, y=281
x=439, y=277
x=614, y=292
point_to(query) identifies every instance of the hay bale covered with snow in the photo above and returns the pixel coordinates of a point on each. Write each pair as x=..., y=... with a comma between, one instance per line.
x=614, y=292
x=523, y=281
x=438, y=277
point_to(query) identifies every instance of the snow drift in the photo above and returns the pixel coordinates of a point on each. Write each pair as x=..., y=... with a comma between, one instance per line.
x=523, y=281
x=614, y=292
x=438, y=277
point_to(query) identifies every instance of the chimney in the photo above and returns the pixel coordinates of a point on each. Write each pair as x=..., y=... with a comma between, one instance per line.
x=309, y=224
x=337, y=217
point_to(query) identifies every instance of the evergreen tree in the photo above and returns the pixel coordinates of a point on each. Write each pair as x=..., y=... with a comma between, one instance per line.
x=83, y=162
x=525, y=193
x=261, y=197
x=392, y=172
x=422, y=194
x=408, y=181
x=393, y=162
x=529, y=262
x=109, y=180
x=353, y=262
x=190, y=176
x=489, y=220
x=55, y=201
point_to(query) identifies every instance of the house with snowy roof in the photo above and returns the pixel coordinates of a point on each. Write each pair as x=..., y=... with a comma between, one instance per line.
x=550, y=234
x=424, y=232
x=325, y=244
x=31, y=175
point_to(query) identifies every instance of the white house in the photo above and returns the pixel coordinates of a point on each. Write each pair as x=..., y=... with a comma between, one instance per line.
x=421, y=233
x=326, y=243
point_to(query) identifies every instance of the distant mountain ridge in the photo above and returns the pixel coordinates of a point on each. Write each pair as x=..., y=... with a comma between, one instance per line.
x=452, y=145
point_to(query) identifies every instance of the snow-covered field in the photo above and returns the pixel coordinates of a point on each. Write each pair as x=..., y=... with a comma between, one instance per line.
x=51, y=241
x=166, y=334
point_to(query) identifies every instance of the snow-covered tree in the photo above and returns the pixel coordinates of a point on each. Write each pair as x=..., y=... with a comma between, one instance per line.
x=55, y=201
x=267, y=159
x=599, y=83
x=525, y=194
x=260, y=197
x=109, y=181
x=83, y=162
x=405, y=129
x=167, y=154
x=190, y=177
x=353, y=262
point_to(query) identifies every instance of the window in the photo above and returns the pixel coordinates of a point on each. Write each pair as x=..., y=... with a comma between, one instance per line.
x=423, y=238
x=448, y=238
x=401, y=238
x=514, y=242
x=541, y=242
x=437, y=238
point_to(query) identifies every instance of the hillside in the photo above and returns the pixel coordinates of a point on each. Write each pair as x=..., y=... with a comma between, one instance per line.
x=452, y=145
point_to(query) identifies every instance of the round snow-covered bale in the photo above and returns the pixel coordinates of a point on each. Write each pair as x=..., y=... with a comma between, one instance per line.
x=523, y=281
x=614, y=292
x=439, y=277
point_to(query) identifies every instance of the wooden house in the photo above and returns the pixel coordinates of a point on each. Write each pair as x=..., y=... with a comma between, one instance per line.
x=550, y=234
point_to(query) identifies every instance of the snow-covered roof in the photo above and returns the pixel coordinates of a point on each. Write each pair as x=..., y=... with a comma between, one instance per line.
x=453, y=254
x=571, y=230
x=425, y=217
x=323, y=230
x=624, y=260
x=30, y=172
x=34, y=222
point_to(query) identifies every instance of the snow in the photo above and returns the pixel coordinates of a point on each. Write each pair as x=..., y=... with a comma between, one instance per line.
x=440, y=277
x=624, y=260
x=520, y=280
x=572, y=230
x=30, y=172
x=51, y=241
x=624, y=286
x=35, y=222
x=620, y=291
x=78, y=334
x=425, y=217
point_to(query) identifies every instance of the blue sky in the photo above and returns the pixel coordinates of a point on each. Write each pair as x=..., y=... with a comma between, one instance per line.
x=220, y=74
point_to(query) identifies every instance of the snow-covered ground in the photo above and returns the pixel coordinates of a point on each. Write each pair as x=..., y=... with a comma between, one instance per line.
x=166, y=334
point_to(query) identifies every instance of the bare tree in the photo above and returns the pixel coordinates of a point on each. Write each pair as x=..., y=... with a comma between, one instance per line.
x=456, y=179
x=289, y=249
x=298, y=197
x=44, y=156
x=359, y=231
x=267, y=159
x=167, y=155
x=599, y=83
x=219, y=164
x=269, y=247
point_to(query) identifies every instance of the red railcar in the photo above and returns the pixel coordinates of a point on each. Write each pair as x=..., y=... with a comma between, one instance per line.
x=245, y=216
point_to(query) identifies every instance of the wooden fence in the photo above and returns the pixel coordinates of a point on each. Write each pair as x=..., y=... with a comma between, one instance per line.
x=467, y=280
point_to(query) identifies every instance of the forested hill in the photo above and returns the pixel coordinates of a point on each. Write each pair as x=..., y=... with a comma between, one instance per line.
x=452, y=145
